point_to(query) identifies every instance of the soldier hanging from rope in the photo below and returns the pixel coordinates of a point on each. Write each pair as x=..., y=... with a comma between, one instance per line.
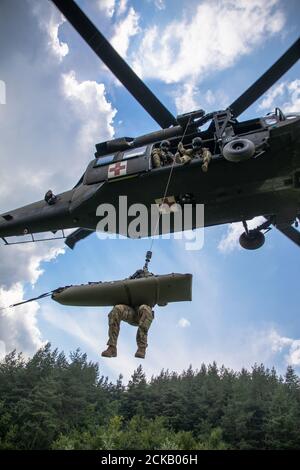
x=185, y=156
x=136, y=315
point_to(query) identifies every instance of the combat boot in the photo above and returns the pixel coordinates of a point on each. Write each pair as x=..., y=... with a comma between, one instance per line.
x=111, y=351
x=141, y=352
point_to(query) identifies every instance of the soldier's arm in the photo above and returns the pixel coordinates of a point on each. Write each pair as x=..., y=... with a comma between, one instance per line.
x=181, y=148
x=141, y=273
x=207, y=154
x=156, y=158
x=137, y=274
x=147, y=273
x=184, y=151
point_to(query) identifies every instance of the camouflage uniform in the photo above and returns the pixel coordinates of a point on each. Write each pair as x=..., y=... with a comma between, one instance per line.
x=161, y=158
x=140, y=316
x=185, y=156
x=141, y=273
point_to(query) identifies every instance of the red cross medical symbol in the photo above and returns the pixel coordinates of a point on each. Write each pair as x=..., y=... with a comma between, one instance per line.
x=117, y=169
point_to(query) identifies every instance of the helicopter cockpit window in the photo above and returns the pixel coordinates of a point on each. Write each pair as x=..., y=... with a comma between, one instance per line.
x=104, y=160
x=134, y=152
x=271, y=120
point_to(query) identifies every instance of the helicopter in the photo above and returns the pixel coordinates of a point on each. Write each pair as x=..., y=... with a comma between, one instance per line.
x=255, y=167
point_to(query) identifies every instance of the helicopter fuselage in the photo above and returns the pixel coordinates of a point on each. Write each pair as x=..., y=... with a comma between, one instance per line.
x=266, y=184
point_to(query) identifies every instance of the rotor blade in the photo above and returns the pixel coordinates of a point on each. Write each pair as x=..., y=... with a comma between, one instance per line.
x=291, y=233
x=115, y=63
x=76, y=236
x=279, y=68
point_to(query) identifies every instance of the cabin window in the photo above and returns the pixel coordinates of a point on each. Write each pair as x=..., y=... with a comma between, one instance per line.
x=132, y=153
x=105, y=160
x=271, y=120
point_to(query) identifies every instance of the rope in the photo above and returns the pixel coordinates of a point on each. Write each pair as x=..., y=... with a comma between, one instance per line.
x=167, y=187
x=42, y=296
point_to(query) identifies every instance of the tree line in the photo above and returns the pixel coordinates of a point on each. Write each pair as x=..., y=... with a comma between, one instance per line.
x=53, y=402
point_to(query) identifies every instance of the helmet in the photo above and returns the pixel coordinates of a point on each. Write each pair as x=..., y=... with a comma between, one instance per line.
x=165, y=144
x=197, y=143
x=50, y=198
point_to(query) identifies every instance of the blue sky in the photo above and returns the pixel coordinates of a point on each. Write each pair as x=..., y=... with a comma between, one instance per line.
x=60, y=101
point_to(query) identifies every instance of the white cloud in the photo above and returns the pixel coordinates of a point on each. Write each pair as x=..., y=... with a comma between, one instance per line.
x=107, y=7
x=285, y=95
x=35, y=260
x=293, y=103
x=23, y=262
x=86, y=332
x=45, y=146
x=211, y=39
x=18, y=326
x=2, y=92
x=282, y=343
x=50, y=20
x=59, y=48
x=217, y=99
x=184, y=323
x=185, y=98
x=160, y=4
x=122, y=7
x=278, y=343
x=124, y=30
x=294, y=355
x=210, y=97
x=88, y=100
x=188, y=97
x=271, y=96
x=2, y=350
x=230, y=241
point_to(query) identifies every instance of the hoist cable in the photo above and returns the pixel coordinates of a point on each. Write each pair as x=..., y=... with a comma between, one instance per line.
x=166, y=188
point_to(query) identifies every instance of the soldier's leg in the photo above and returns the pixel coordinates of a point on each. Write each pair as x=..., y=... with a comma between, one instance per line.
x=185, y=159
x=117, y=314
x=145, y=319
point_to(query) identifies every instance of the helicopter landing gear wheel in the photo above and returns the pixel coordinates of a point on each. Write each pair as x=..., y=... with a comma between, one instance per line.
x=252, y=240
x=239, y=150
